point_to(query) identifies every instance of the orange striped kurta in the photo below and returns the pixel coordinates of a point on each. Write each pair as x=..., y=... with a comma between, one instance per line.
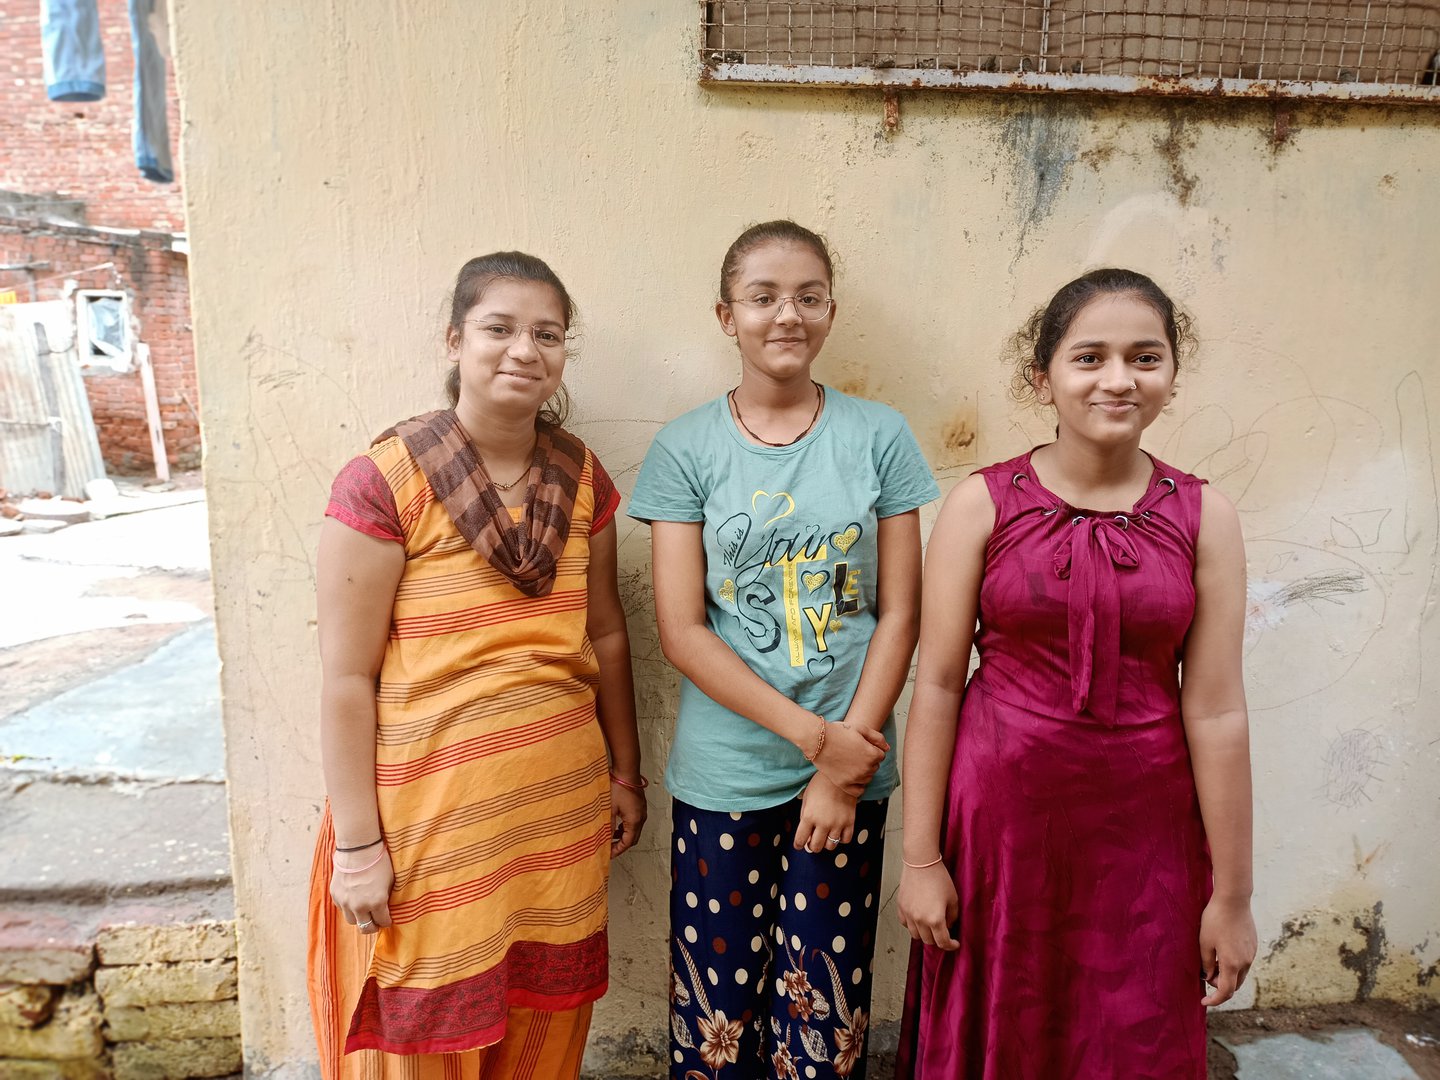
x=494, y=796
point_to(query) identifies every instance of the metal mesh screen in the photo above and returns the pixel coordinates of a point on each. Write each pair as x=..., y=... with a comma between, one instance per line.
x=1345, y=43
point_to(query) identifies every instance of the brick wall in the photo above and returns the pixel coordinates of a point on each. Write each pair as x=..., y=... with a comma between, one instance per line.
x=80, y=150
x=154, y=276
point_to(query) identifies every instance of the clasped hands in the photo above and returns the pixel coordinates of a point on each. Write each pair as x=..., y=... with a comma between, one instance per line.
x=847, y=761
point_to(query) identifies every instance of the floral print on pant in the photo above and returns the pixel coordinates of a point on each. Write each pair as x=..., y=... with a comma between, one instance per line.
x=770, y=948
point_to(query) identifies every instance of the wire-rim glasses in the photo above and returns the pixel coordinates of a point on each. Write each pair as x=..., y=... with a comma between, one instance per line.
x=811, y=307
x=544, y=335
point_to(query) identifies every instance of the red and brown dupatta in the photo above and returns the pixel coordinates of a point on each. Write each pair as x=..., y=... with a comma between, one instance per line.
x=526, y=552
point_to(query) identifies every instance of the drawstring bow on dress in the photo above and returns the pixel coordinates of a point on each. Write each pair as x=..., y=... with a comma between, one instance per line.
x=1091, y=553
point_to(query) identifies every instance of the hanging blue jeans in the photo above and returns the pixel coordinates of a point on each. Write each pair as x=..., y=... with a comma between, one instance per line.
x=75, y=71
x=74, y=57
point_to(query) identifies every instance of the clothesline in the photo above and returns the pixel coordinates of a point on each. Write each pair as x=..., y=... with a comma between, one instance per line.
x=75, y=274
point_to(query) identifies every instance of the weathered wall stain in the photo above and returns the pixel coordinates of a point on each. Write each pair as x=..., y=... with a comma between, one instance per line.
x=1341, y=954
x=958, y=437
x=1043, y=139
x=1366, y=960
x=1173, y=146
x=854, y=385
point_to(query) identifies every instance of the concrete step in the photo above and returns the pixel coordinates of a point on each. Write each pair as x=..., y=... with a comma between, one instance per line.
x=88, y=842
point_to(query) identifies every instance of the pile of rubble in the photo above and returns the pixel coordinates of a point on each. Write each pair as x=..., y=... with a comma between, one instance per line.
x=45, y=513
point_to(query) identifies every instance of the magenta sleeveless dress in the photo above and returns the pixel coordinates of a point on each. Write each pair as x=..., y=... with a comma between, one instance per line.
x=1072, y=827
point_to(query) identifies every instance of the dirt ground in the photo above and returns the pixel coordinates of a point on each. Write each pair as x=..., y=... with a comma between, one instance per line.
x=1414, y=1035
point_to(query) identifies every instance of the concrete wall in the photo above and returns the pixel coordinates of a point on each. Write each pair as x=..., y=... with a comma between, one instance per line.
x=341, y=162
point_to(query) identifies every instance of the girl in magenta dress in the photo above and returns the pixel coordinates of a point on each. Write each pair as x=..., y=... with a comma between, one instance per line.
x=1077, y=817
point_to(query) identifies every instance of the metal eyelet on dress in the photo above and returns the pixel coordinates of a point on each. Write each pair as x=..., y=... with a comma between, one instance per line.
x=1077, y=519
x=1015, y=480
x=1167, y=480
x=1051, y=512
x=1123, y=520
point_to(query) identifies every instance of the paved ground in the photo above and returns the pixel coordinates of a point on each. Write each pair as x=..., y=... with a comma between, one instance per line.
x=111, y=746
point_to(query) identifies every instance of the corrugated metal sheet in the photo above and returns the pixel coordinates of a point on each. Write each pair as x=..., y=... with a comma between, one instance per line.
x=47, y=435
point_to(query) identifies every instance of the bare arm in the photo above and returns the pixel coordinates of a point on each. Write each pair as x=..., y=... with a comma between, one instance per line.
x=850, y=755
x=827, y=811
x=605, y=625
x=954, y=566
x=356, y=579
x=1212, y=701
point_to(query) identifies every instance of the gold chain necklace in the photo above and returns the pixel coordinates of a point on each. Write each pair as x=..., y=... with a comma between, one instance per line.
x=512, y=483
x=819, y=404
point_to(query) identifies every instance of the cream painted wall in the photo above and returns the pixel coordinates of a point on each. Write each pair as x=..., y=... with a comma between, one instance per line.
x=342, y=161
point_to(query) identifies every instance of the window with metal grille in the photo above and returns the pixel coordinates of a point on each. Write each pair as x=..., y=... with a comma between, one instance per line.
x=1382, y=51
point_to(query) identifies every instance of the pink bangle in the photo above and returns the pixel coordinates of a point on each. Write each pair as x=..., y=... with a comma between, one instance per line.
x=923, y=865
x=358, y=869
x=644, y=783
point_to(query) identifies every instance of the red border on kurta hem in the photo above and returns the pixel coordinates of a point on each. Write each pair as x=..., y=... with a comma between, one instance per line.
x=480, y=1039
x=402, y=1019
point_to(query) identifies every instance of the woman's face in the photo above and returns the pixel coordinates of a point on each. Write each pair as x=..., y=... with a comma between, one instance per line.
x=1112, y=372
x=775, y=286
x=510, y=347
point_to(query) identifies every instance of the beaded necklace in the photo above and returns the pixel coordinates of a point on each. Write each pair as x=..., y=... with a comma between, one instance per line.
x=819, y=404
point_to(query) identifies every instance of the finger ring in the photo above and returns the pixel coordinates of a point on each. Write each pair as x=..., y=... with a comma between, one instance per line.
x=366, y=923
x=832, y=840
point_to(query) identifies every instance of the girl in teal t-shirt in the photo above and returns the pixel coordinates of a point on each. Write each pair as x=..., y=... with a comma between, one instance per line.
x=786, y=546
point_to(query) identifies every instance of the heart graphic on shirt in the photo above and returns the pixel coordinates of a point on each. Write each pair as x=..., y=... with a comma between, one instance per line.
x=727, y=591
x=820, y=666
x=773, y=503
x=815, y=580
x=846, y=540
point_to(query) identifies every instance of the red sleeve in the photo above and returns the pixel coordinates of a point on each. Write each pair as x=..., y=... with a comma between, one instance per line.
x=607, y=499
x=361, y=499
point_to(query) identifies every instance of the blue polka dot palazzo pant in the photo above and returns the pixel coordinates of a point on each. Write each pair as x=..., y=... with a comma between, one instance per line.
x=770, y=948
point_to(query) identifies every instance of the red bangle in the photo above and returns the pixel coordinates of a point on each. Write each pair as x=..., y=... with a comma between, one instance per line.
x=644, y=783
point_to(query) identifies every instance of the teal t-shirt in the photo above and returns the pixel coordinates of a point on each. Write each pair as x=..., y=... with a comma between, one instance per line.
x=790, y=578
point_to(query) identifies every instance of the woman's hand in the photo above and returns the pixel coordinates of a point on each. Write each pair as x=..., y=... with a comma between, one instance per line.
x=364, y=897
x=928, y=905
x=827, y=817
x=628, y=811
x=1227, y=947
x=850, y=756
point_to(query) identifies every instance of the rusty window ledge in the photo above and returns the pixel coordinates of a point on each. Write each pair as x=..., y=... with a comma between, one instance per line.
x=1342, y=51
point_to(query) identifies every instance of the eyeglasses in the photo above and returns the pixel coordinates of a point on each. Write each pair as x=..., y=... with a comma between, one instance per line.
x=544, y=336
x=809, y=306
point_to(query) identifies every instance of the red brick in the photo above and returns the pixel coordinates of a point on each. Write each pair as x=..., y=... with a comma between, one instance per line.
x=82, y=151
x=44, y=949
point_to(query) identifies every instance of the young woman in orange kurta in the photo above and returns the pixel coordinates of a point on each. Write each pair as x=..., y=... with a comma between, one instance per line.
x=478, y=724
